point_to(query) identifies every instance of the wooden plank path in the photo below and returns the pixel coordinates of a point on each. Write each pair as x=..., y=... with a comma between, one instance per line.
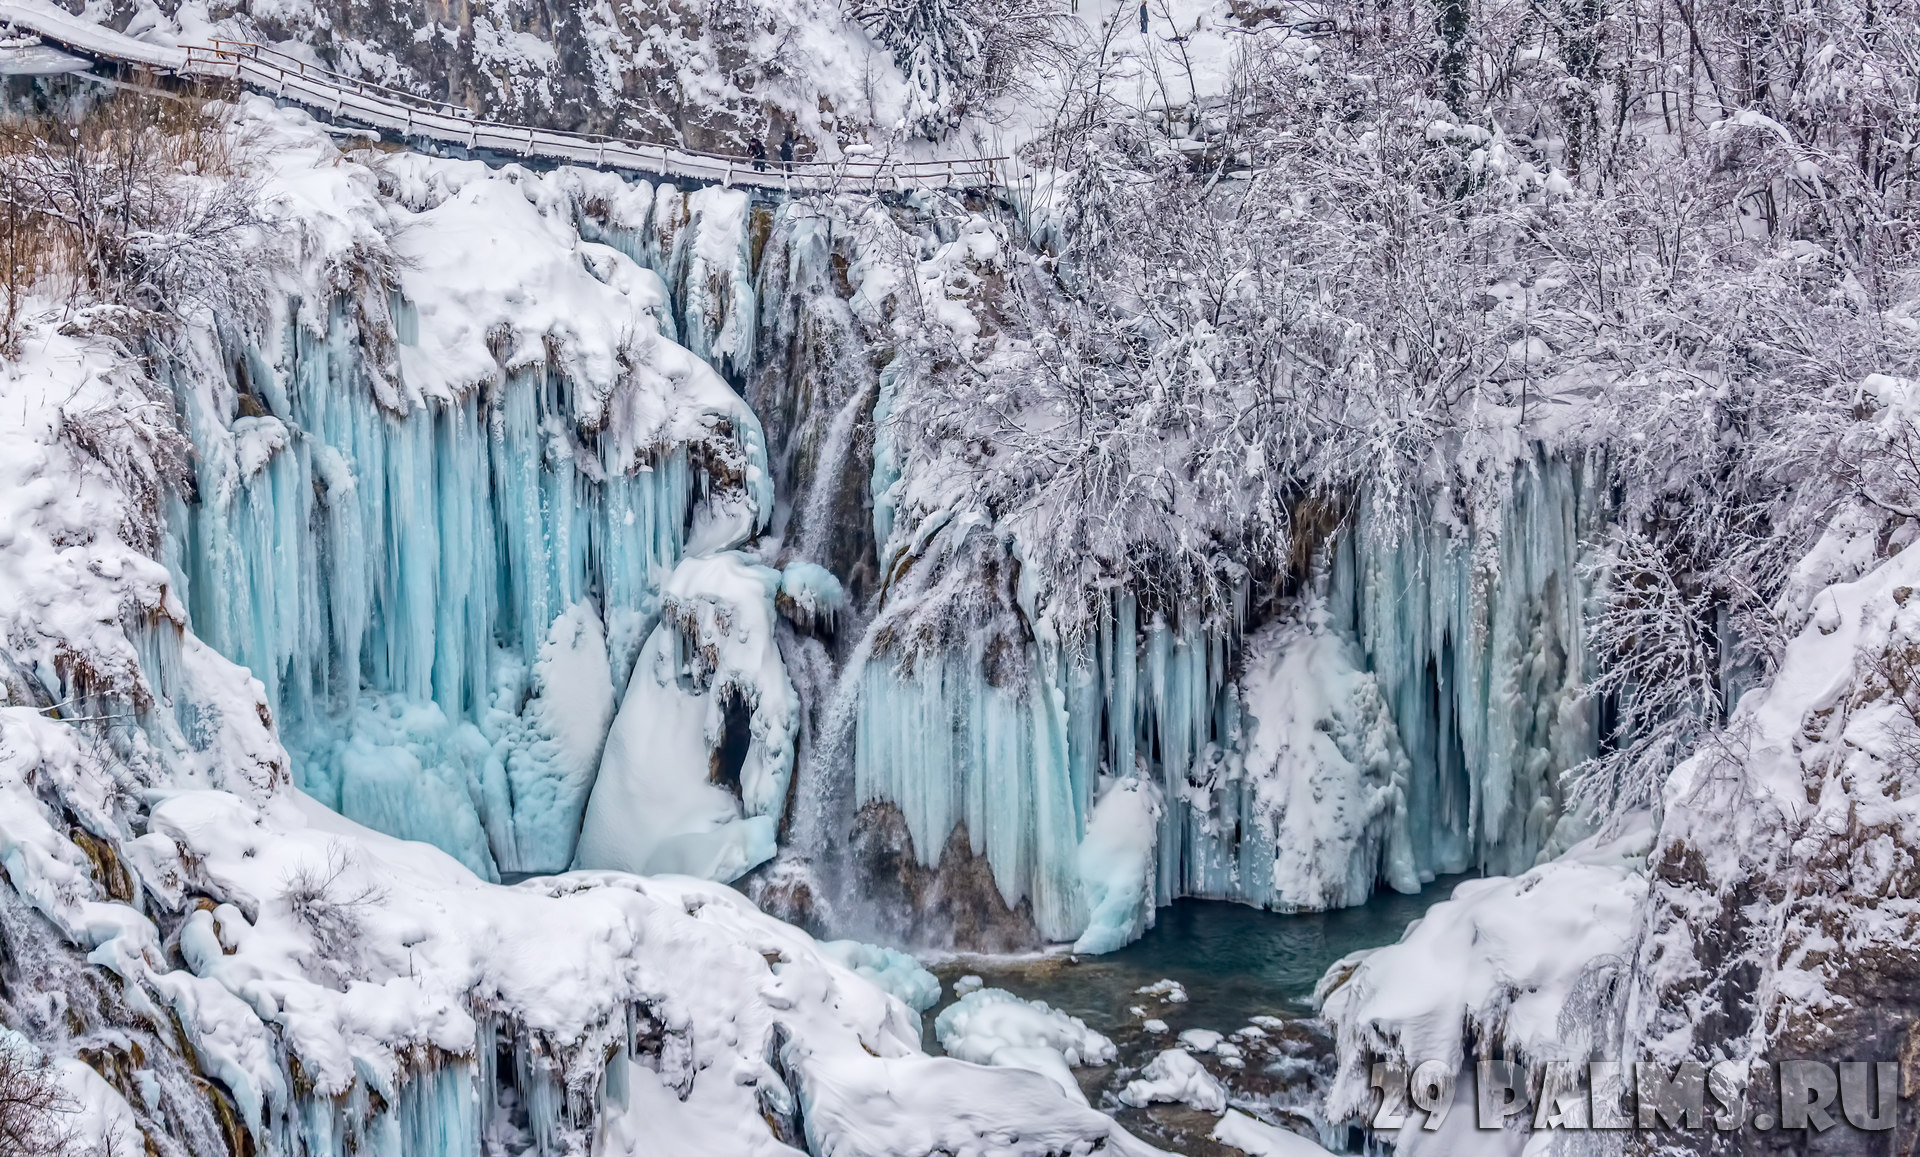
x=411, y=117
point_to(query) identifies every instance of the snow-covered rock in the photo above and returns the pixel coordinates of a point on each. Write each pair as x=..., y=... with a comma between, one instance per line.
x=1782, y=918
x=1174, y=1076
x=655, y=807
x=991, y=1026
x=1500, y=962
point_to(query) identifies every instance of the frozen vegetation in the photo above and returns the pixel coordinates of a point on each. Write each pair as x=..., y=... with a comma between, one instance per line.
x=1354, y=447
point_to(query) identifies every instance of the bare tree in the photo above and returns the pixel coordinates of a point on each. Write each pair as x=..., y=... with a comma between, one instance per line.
x=138, y=202
x=32, y=1104
x=960, y=55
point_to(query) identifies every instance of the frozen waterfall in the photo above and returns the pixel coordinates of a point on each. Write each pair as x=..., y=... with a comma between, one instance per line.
x=480, y=593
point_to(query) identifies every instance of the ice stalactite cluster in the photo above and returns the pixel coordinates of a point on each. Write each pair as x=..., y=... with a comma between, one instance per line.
x=224, y=964
x=1410, y=721
x=1406, y=715
x=1473, y=623
x=438, y=531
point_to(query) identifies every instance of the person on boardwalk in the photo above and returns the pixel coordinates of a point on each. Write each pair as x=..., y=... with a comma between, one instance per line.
x=786, y=150
x=758, y=151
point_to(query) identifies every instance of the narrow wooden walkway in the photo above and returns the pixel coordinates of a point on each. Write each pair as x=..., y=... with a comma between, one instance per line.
x=411, y=117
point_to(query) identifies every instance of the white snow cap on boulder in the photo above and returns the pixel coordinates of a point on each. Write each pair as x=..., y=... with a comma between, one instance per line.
x=992, y=1026
x=1174, y=1076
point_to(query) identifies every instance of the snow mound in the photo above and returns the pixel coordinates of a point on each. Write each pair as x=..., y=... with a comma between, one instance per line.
x=1500, y=961
x=1260, y=1139
x=1174, y=1076
x=655, y=807
x=991, y=1026
x=1116, y=865
x=1170, y=991
x=983, y=1022
x=1200, y=1040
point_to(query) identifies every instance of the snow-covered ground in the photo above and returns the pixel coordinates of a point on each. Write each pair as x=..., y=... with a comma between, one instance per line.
x=347, y=989
x=469, y=539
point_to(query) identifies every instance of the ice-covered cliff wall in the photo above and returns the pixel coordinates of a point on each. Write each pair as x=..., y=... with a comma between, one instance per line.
x=437, y=526
x=1412, y=721
x=216, y=962
x=1405, y=711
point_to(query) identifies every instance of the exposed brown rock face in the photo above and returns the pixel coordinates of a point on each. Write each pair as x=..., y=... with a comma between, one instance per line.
x=1785, y=924
x=955, y=904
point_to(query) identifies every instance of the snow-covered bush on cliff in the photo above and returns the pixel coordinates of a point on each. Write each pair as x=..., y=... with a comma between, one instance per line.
x=958, y=55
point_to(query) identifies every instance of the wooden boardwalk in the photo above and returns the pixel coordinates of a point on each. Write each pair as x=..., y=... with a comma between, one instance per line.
x=389, y=110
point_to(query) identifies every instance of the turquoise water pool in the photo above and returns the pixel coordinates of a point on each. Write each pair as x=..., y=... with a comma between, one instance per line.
x=1234, y=963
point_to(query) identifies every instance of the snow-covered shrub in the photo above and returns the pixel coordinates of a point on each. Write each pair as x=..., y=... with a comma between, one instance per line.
x=959, y=55
x=136, y=203
x=332, y=903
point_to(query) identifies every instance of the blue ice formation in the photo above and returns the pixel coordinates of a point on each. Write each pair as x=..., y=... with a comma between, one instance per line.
x=441, y=601
x=891, y=970
x=1456, y=649
x=446, y=595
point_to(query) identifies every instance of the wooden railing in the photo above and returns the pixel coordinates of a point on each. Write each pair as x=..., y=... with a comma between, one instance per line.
x=393, y=110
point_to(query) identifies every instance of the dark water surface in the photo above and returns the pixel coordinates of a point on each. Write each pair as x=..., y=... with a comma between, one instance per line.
x=1234, y=960
x=1235, y=963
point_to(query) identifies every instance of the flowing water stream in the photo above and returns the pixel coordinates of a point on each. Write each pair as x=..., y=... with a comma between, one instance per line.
x=1237, y=967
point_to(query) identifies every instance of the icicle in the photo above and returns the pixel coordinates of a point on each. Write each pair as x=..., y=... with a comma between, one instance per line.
x=395, y=581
